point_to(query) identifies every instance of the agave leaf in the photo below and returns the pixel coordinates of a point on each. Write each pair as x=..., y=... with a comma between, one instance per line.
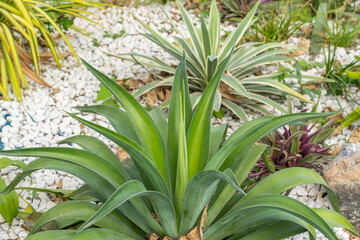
x=277, y=85
x=199, y=130
x=277, y=230
x=81, y=211
x=147, y=61
x=145, y=128
x=193, y=34
x=214, y=28
x=217, y=138
x=99, y=148
x=152, y=85
x=163, y=207
x=199, y=192
x=335, y=219
x=177, y=106
x=287, y=204
x=118, y=119
x=206, y=45
x=254, y=219
x=225, y=194
x=77, y=156
x=237, y=110
x=53, y=235
x=143, y=162
x=159, y=118
x=296, y=176
x=236, y=85
x=95, y=181
x=95, y=234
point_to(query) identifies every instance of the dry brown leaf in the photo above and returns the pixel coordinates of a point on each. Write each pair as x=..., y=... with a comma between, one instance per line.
x=121, y=154
x=329, y=109
x=163, y=93
x=355, y=136
x=154, y=236
x=311, y=86
x=195, y=234
x=336, y=150
x=57, y=199
x=156, y=218
x=55, y=91
x=150, y=79
x=352, y=237
x=151, y=98
x=306, y=29
x=59, y=184
x=167, y=238
x=336, y=118
x=130, y=84
x=304, y=44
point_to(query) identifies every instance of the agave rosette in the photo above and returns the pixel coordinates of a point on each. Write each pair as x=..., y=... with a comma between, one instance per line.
x=205, y=52
x=178, y=168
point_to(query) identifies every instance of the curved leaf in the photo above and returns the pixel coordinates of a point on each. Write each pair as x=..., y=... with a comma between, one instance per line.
x=199, y=192
x=163, y=207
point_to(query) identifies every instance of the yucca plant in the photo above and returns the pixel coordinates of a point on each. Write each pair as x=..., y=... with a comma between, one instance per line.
x=24, y=25
x=179, y=171
x=205, y=52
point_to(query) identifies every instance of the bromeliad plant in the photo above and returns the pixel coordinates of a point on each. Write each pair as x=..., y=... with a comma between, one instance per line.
x=178, y=169
x=24, y=26
x=295, y=146
x=206, y=52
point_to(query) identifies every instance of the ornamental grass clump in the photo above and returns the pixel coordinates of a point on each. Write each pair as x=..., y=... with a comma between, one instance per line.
x=25, y=27
x=206, y=52
x=182, y=175
x=295, y=146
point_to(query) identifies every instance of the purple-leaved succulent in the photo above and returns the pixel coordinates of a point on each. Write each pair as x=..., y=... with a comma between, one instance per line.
x=296, y=146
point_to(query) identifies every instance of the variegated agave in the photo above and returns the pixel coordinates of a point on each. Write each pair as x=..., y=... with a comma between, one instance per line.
x=205, y=52
x=178, y=168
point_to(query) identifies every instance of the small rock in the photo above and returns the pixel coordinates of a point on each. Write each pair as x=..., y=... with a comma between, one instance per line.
x=343, y=176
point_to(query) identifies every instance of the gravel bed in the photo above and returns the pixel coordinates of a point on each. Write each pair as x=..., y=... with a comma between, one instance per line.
x=42, y=121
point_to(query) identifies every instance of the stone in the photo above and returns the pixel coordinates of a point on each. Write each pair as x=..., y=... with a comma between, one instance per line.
x=343, y=176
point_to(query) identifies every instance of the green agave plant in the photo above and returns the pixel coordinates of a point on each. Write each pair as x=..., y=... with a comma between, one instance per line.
x=178, y=169
x=24, y=24
x=205, y=52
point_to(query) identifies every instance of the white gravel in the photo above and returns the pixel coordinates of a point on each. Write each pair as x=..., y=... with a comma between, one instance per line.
x=42, y=120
